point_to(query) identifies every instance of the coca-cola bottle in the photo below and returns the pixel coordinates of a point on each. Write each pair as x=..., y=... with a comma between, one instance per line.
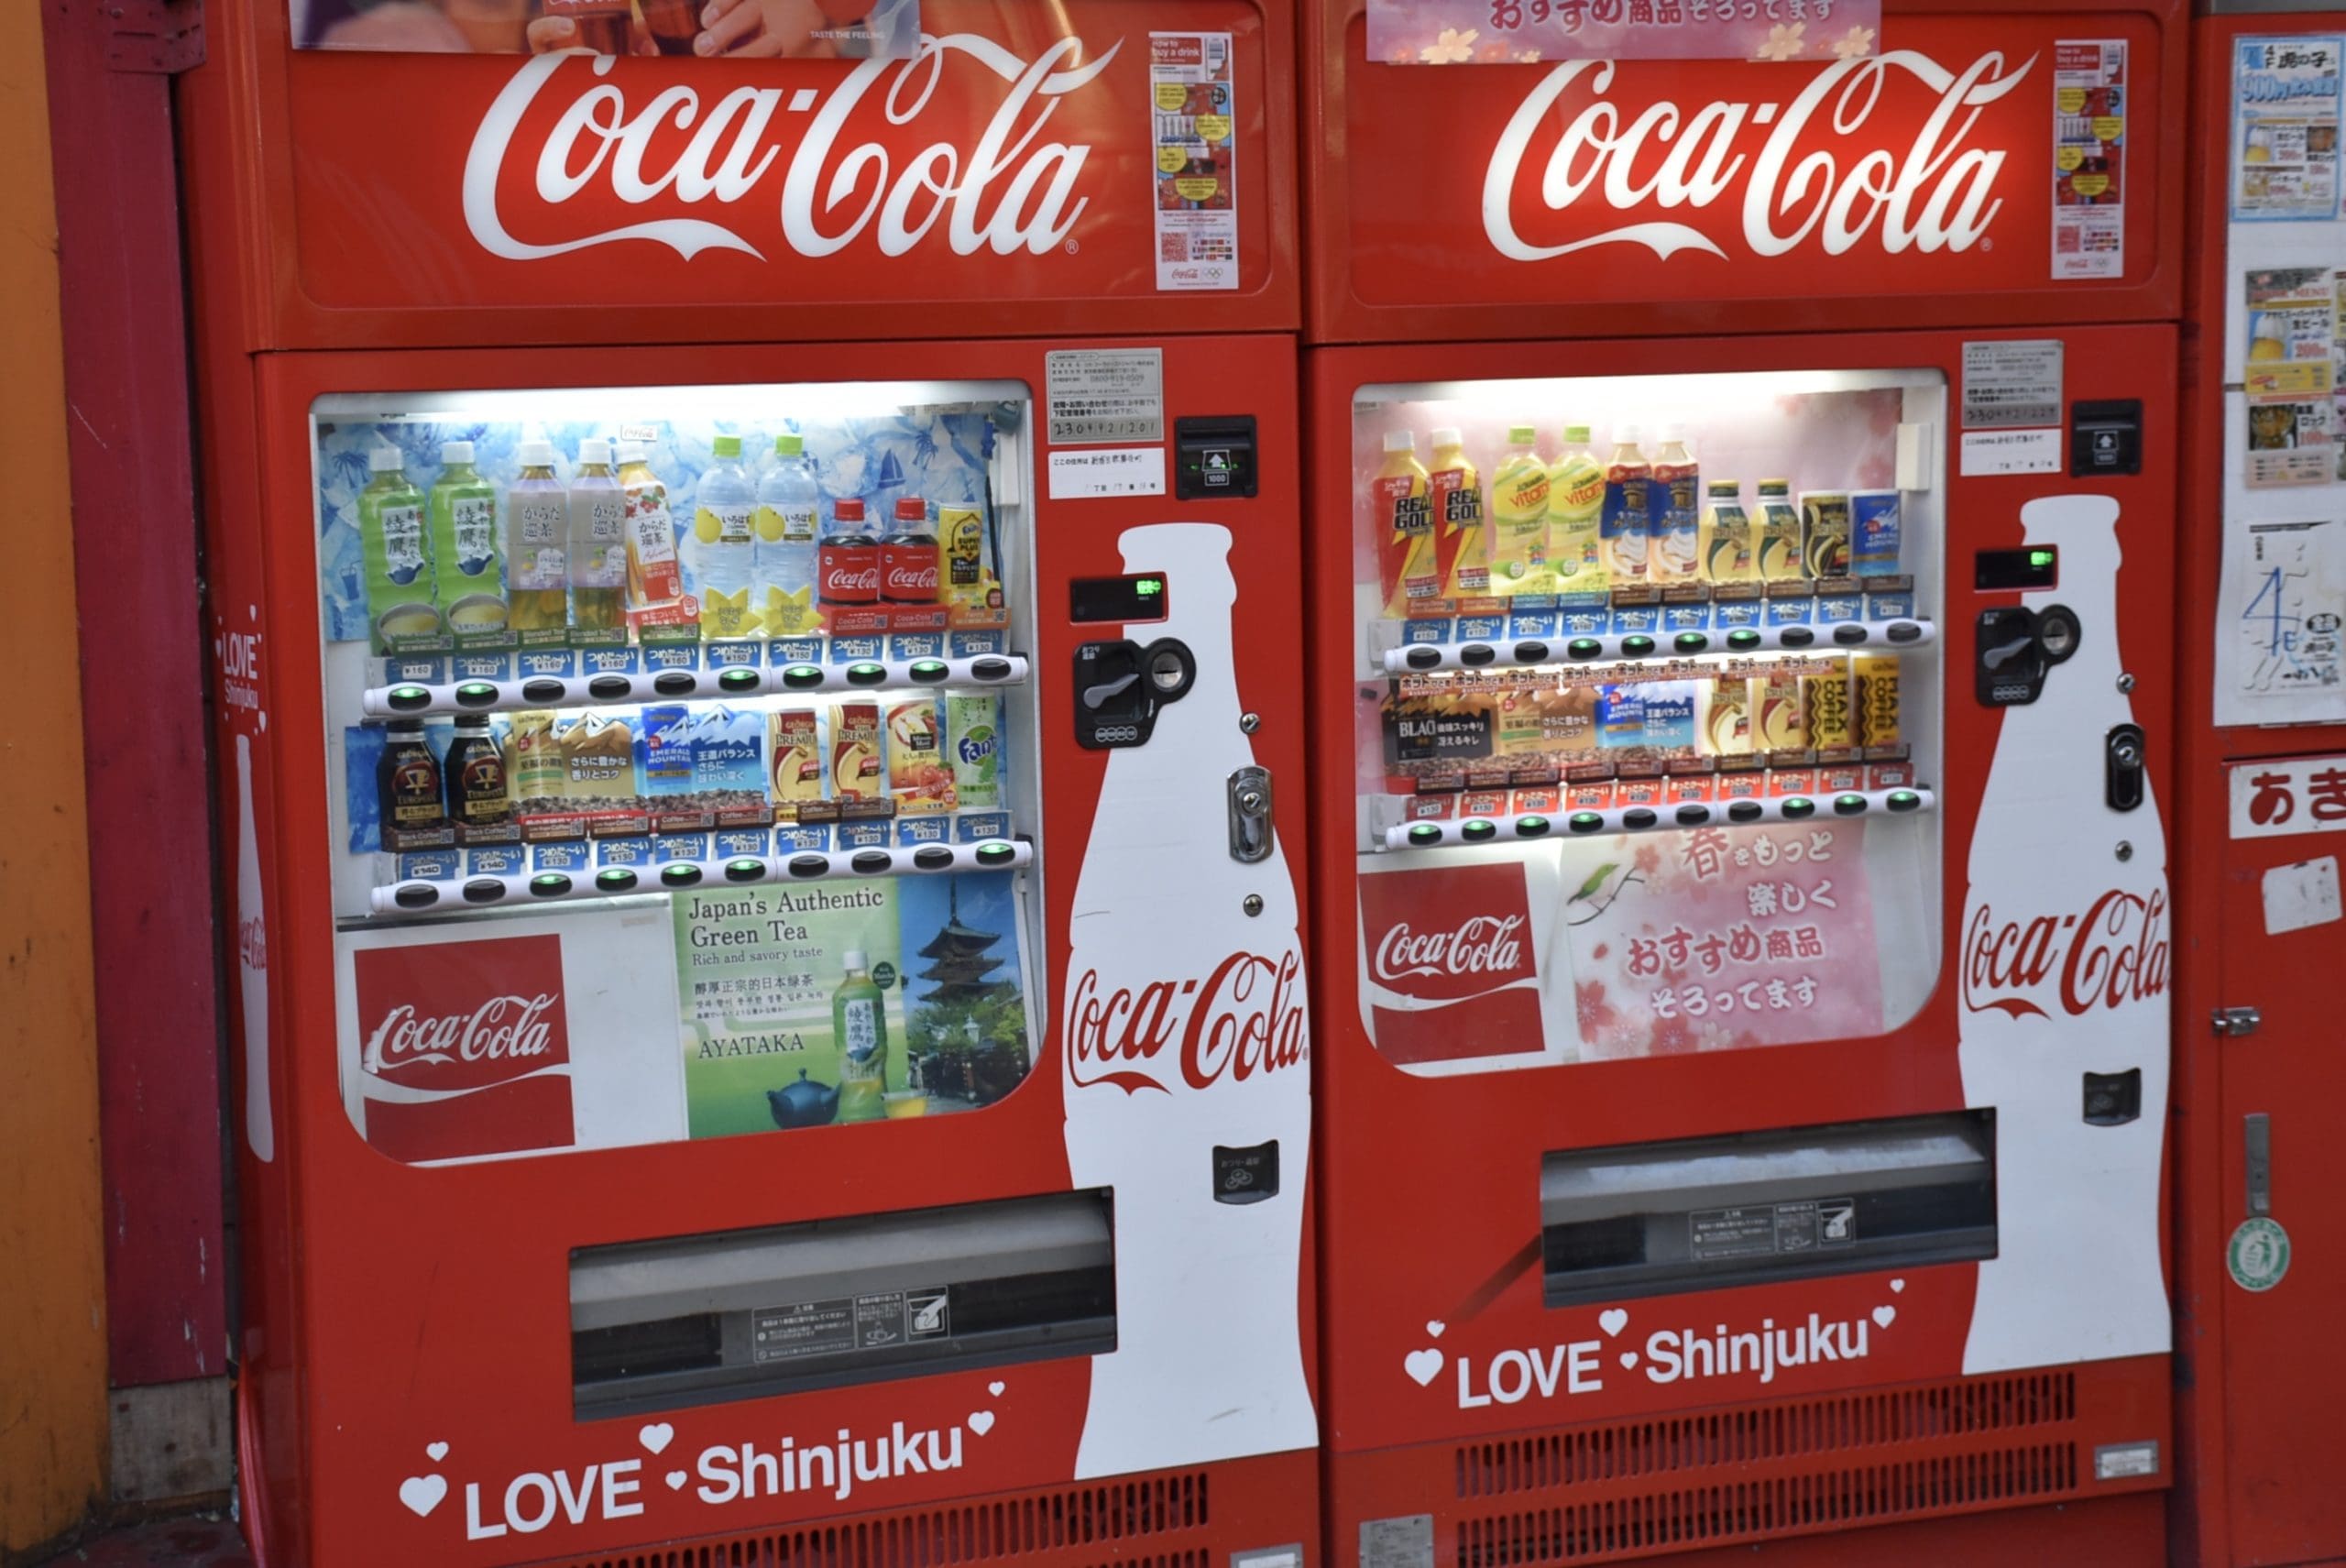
x=1219, y=1059
x=909, y=557
x=848, y=565
x=2064, y=963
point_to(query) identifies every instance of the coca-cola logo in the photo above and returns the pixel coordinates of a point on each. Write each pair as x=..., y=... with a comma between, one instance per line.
x=1445, y=933
x=2116, y=952
x=1244, y=1019
x=1007, y=192
x=464, y=1046
x=1820, y=169
x=911, y=579
x=839, y=578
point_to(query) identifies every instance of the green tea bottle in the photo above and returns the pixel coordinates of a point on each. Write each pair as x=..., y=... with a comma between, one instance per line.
x=468, y=587
x=859, y=1023
x=398, y=558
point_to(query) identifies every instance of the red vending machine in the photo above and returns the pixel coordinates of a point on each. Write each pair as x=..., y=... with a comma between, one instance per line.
x=753, y=695
x=2265, y=715
x=1740, y=669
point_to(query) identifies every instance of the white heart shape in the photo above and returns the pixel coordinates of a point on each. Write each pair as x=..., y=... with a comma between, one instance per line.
x=655, y=1437
x=421, y=1493
x=676, y=1479
x=1613, y=1320
x=1885, y=1316
x=1629, y=1360
x=1897, y=1287
x=982, y=1421
x=1434, y=1327
x=437, y=1450
x=1422, y=1365
x=996, y=1389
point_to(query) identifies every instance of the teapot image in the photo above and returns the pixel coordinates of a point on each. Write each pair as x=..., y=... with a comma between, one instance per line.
x=805, y=1104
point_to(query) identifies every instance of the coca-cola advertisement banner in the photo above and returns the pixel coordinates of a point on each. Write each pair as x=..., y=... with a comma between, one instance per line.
x=1627, y=947
x=747, y=30
x=1524, y=32
x=525, y=1036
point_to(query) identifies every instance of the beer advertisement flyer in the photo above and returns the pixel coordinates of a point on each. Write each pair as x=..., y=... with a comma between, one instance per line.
x=832, y=1003
x=2288, y=101
x=748, y=29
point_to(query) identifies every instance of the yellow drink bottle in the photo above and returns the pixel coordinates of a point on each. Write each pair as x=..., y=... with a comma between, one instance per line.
x=1456, y=490
x=1407, y=558
x=1727, y=553
x=1520, y=518
x=1577, y=521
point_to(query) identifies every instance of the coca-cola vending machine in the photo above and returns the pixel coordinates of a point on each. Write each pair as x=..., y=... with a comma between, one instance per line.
x=2264, y=711
x=755, y=595
x=1742, y=516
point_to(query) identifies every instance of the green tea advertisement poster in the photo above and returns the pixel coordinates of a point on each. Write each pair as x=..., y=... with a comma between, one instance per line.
x=938, y=1008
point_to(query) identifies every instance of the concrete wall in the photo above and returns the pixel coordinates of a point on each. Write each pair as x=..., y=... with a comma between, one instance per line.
x=52, y=1273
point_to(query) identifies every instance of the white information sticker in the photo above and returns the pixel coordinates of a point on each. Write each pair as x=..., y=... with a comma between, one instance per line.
x=1104, y=396
x=1101, y=471
x=2011, y=383
x=2300, y=896
x=1989, y=453
x=2288, y=795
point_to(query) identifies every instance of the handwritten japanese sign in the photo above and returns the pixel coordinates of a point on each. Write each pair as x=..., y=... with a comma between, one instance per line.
x=2294, y=794
x=1524, y=32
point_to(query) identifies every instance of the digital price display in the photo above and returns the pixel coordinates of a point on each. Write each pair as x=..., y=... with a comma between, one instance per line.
x=2013, y=571
x=1139, y=596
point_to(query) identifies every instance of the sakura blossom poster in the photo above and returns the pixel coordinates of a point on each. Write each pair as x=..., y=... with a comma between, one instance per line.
x=1523, y=32
x=1710, y=941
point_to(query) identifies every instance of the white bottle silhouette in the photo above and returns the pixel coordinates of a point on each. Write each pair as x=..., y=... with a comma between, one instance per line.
x=252, y=963
x=1209, y=1363
x=2077, y=1276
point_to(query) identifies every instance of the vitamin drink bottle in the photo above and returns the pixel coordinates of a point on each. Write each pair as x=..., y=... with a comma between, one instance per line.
x=784, y=561
x=724, y=543
x=1409, y=555
x=537, y=549
x=1456, y=490
x=848, y=560
x=908, y=557
x=1576, y=524
x=1673, y=499
x=598, y=548
x=1629, y=508
x=859, y=1023
x=1519, y=517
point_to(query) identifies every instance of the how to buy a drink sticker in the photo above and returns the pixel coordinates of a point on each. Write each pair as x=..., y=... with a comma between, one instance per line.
x=1194, y=136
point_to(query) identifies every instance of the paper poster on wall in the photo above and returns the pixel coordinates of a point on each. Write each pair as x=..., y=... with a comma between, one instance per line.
x=1518, y=32
x=2282, y=596
x=838, y=1002
x=2286, y=107
x=742, y=30
x=1193, y=130
x=2089, y=159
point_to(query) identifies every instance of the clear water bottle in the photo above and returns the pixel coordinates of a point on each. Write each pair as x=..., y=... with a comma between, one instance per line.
x=787, y=497
x=725, y=543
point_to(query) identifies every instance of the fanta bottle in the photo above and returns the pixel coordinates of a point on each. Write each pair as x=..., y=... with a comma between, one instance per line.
x=1575, y=521
x=1457, y=493
x=1409, y=562
x=1519, y=517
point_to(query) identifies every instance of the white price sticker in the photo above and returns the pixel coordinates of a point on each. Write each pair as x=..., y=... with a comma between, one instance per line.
x=1989, y=453
x=1103, y=471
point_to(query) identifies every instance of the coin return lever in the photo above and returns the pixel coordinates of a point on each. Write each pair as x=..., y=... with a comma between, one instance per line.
x=688, y=1320
x=1120, y=686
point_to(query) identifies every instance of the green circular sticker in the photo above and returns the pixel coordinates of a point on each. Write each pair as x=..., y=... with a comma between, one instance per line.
x=884, y=974
x=2257, y=1257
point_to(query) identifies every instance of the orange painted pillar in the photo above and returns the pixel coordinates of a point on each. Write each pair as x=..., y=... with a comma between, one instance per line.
x=52, y=1268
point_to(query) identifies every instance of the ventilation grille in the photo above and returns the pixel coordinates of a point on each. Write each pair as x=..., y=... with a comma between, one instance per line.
x=1764, y=1432
x=1721, y=1515
x=1049, y=1529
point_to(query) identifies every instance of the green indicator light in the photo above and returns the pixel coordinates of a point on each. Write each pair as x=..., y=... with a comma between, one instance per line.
x=996, y=854
x=1425, y=833
x=548, y=884
x=1584, y=821
x=475, y=692
x=410, y=696
x=744, y=870
x=1148, y=588
x=1584, y=647
x=1797, y=807
x=2040, y=557
x=1531, y=827
x=930, y=669
x=1904, y=800
x=866, y=675
x=1691, y=643
x=739, y=680
x=682, y=873
x=1475, y=832
x=798, y=677
x=1743, y=637
x=1637, y=647
x=1849, y=804
x=618, y=878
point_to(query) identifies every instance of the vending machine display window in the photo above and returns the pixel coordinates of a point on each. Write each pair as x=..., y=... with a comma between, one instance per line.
x=1634, y=659
x=707, y=702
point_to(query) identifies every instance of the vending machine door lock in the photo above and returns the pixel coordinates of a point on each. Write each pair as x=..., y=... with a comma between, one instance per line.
x=1250, y=816
x=1120, y=686
x=2123, y=783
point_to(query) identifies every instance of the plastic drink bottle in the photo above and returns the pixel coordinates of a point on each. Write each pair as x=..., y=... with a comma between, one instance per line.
x=1575, y=522
x=725, y=543
x=1628, y=507
x=1408, y=554
x=537, y=547
x=1519, y=517
x=1674, y=502
x=655, y=579
x=598, y=548
x=859, y=1023
x=848, y=563
x=396, y=551
x=463, y=509
x=1456, y=491
x=785, y=563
